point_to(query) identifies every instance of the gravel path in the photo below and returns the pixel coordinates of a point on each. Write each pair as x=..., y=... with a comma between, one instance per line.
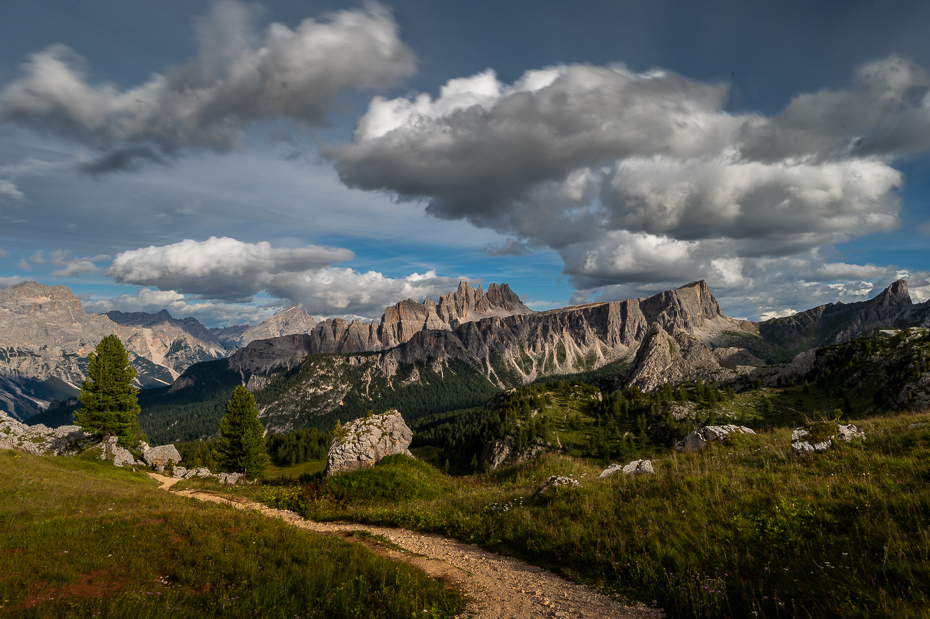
x=497, y=587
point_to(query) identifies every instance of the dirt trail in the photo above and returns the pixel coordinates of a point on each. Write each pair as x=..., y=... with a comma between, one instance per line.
x=498, y=587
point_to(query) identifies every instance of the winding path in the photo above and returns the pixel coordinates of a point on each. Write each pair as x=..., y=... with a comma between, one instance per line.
x=497, y=587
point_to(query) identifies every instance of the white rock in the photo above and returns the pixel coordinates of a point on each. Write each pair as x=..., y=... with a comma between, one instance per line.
x=702, y=437
x=801, y=445
x=366, y=440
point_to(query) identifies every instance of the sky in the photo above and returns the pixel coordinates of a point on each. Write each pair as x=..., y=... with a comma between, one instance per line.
x=224, y=160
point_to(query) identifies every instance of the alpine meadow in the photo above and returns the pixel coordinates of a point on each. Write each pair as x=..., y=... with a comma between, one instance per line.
x=490, y=310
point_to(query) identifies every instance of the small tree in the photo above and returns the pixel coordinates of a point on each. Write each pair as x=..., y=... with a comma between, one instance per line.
x=240, y=447
x=108, y=397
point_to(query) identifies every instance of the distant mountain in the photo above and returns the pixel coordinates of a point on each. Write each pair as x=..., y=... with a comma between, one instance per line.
x=286, y=322
x=835, y=323
x=45, y=336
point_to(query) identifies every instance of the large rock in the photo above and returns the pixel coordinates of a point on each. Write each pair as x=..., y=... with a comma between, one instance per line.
x=555, y=481
x=818, y=437
x=159, y=457
x=363, y=442
x=636, y=467
x=701, y=438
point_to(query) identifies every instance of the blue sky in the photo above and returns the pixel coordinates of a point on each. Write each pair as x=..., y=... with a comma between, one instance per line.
x=225, y=159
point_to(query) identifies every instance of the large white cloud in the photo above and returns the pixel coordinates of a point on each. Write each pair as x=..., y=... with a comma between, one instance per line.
x=232, y=271
x=218, y=268
x=239, y=75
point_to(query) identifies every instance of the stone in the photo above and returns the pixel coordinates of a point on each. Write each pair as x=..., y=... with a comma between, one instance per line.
x=159, y=457
x=555, y=481
x=702, y=437
x=179, y=472
x=914, y=426
x=228, y=478
x=636, y=467
x=363, y=442
x=818, y=437
x=198, y=472
x=39, y=439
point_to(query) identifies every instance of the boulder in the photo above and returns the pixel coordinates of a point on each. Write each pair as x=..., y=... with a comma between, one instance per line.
x=636, y=467
x=229, y=478
x=702, y=437
x=179, y=472
x=361, y=443
x=818, y=437
x=555, y=481
x=159, y=457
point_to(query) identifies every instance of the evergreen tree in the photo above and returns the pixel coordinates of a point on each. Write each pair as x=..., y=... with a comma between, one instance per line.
x=240, y=447
x=108, y=397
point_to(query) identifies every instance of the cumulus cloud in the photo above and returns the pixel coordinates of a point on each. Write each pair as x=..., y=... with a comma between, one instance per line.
x=645, y=180
x=10, y=281
x=70, y=266
x=232, y=271
x=240, y=75
x=341, y=291
x=218, y=268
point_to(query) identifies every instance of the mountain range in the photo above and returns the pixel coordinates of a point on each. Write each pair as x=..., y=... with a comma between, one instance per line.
x=466, y=347
x=45, y=335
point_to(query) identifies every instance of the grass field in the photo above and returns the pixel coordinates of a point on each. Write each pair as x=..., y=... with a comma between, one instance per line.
x=82, y=538
x=741, y=530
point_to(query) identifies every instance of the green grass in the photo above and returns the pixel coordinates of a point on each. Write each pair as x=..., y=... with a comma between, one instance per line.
x=741, y=530
x=311, y=467
x=82, y=538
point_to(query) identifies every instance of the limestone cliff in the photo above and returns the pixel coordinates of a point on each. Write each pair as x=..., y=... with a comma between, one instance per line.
x=286, y=322
x=511, y=349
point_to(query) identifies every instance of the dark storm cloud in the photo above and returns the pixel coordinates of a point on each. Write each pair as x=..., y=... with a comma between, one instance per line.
x=240, y=75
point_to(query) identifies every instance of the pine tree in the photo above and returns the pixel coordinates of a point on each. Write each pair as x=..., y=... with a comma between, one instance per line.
x=240, y=447
x=108, y=397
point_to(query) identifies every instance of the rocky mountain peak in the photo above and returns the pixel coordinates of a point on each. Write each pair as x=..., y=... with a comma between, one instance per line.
x=895, y=295
x=35, y=298
x=290, y=321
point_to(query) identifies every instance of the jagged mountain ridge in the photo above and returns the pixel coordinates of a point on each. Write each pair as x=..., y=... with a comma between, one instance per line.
x=835, y=323
x=399, y=324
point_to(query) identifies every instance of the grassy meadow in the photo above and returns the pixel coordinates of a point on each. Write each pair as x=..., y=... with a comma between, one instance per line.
x=734, y=531
x=82, y=538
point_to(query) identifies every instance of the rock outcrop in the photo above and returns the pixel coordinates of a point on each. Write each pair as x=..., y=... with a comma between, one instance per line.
x=636, y=467
x=818, y=437
x=555, y=481
x=363, y=442
x=662, y=359
x=709, y=435
x=502, y=451
x=39, y=439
